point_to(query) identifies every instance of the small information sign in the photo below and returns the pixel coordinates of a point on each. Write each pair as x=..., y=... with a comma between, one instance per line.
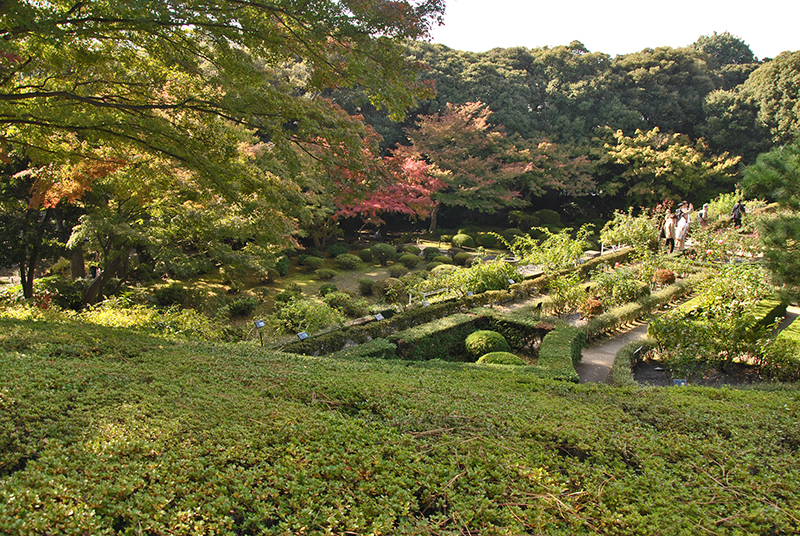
x=378, y=316
x=512, y=282
x=679, y=383
x=259, y=324
x=302, y=335
x=470, y=293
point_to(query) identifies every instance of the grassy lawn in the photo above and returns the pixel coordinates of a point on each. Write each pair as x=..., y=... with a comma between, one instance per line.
x=108, y=432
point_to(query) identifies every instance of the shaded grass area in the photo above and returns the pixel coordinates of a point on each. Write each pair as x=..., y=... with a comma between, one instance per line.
x=103, y=432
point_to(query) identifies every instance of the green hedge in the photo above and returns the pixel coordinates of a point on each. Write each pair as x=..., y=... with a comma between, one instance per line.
x=519, y=329
x=375, y=349
x=441, y=339
x=561, y=350
x=621, y=374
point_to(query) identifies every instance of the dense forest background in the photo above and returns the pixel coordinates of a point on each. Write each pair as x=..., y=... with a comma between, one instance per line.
x=715, y=94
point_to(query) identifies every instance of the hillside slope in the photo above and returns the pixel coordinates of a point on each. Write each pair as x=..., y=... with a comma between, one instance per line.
x=107, y=432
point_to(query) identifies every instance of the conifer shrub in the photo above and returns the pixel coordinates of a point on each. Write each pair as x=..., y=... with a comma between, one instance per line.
x=242, y=307
x=397, y=270
x=501, y=358
x=312, y=262
x=486, y=240
x=347, y=304
x=462, y=258
x=432, y=265
x=282, y=265
x=365, y=255
x=548, y=217
x=348, y=261
x=485, y=341
x=509, y=234
x=327, y=288
x=334, y=250
x=430, y=252
x=444, y=259
x=365, y=286
x=446, y=238
x=325, y=274
x=409, y=260
x=413, y=250
x=383, y=253
x=463, y=241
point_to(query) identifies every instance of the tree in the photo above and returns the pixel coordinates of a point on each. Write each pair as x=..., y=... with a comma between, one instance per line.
x=474, y=160
x=776, y=176
x=187, y=87
x=725, y=49
x=652, y=167
x=774, y=88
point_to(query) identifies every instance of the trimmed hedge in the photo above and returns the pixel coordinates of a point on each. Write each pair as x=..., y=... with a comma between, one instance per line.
x=519, y=330
x=561, y=350
x=375, y=349
x=450, y=332
x=621, y=374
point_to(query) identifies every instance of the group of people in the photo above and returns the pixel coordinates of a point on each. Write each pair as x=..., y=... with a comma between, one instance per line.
x=676, y=224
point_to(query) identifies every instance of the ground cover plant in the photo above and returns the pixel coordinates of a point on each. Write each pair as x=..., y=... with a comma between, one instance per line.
x=107, y=431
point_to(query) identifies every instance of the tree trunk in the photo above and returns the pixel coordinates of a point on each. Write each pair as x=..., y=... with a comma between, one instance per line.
x=434, y=214
x=77, y=265
x=95, y=290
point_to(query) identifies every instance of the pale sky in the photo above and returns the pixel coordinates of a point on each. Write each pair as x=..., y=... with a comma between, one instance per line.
x=769, y=27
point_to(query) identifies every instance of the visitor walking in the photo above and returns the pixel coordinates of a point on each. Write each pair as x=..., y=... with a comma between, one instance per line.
x=682, y=230
x=669, y=231
x=737, y=213
x=702, y=217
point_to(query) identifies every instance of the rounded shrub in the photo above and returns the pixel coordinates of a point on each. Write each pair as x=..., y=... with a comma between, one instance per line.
x=391, y=289
x=365, y=255
x=334, y=250
x=444, y=259
x=347, y=304
x=484, y=341
x=312, y=263
x=172, y=294
x=383, y=253
x=327, y=288
x=433, y=264
x=548, y=217
x=325, y=274
x=242, y=307
x=461, y=258
x=409, y=260
x=446, y=238
x=397, y=270
x=348, y=261
x=463, y=241
x=501, y=358
x=365, y=286
x=471, y=230
x=413, y=250
x=430, y=252
x=509, y=234
x=486, y=240
x=443, y=267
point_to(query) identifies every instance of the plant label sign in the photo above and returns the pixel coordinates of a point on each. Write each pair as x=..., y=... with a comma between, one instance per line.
x=378, y=316
x=679, y=383
x=259, y=324
x=302, y=335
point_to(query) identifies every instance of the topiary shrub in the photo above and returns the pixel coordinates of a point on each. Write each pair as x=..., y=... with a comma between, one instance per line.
x=383, y=253
x=325, y=274
x=430, y=252
x=443, y=259
x=397, y=270
x=334, y=250
x=501, y=358
x=461, y=258
x=327, y=288
x=548, y=217
x=484, y=341
x=365, y=255
x=413, y=250
x=312, y=263
x=390, y=289
x=433, y=264
x=365, y=286
x=509, y=234
x=348, y=261
x=471, y=230
x=486, y=240
x=446, y=238
x=443, y=267
x=409, y=260
x=463, y=241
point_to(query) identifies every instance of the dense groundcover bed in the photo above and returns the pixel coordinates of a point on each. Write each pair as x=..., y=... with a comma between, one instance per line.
x=104, y=432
